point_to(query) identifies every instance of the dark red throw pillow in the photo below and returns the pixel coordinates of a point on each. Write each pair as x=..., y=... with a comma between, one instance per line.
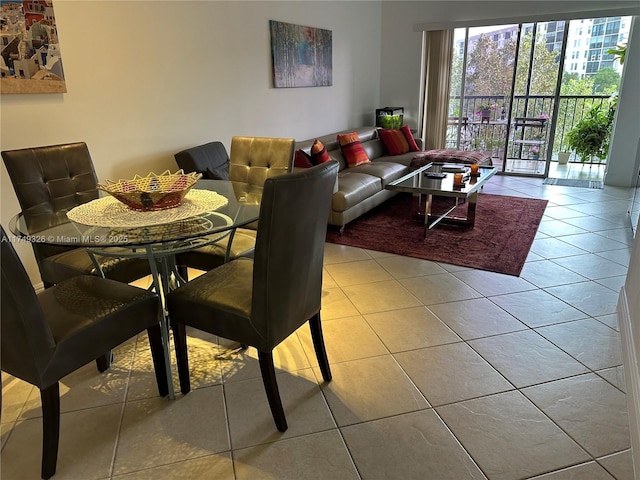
x=318, y=155
x=302, y=159
x=394, y=141
x=398, y=141
x=413, y=146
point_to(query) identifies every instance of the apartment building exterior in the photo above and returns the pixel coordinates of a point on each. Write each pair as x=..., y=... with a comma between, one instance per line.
x=588, y=41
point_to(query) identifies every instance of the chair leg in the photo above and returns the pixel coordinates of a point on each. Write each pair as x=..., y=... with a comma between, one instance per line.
x=318, y=344
x=182, y=359
x=157, y=354
x=50, y=398
x=183, y=271
x=103, y=362
x=271, y=387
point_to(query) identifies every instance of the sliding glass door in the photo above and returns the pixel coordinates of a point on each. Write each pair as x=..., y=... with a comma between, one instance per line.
x=533, y=101
x=518, y=90
x=481, y=86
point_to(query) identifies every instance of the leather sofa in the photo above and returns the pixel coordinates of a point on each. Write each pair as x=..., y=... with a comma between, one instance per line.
x=359, y=189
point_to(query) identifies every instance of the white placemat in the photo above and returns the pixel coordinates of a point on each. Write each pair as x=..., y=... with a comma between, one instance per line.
x=109, y=212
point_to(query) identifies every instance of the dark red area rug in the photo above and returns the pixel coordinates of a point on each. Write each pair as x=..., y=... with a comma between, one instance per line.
x=500, y=242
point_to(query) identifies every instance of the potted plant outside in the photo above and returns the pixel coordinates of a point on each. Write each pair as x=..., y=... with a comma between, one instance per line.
x=563, y=156
x=535, y=153
x=589, y=138
x=484, y=110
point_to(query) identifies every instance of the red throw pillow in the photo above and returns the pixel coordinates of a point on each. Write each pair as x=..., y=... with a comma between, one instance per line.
x=302, y=159
x=413, y=146
x=352, y=149
x=394, y=141
x=319, y=153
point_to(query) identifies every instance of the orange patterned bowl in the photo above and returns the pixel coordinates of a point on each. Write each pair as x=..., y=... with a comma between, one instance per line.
x=153, y=192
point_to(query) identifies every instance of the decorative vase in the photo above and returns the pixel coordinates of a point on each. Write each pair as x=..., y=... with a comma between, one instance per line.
x=563, y=157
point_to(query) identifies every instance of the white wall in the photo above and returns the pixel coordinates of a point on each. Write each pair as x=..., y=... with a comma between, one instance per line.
x=628, y=314
x=147, y=79
x=622, y=173
x=622, y=168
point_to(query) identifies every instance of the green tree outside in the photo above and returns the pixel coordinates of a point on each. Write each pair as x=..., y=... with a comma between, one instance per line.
x=490, y=71
x=544, y=71
x=490, y=68
x=606, y=81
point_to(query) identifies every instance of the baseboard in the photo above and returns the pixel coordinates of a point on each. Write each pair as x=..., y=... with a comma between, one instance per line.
x=630, y=353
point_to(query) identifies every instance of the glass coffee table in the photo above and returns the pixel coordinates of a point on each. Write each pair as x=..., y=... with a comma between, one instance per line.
x=437, y=179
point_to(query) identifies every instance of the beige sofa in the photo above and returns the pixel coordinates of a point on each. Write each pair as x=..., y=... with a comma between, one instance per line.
x=361, y=188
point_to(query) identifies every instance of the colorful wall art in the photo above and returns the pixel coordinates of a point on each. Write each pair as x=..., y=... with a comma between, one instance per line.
x=301, y=55
x=30, y=60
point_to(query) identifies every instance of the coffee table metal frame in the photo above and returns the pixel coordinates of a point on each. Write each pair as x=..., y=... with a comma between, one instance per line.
x=419, y=183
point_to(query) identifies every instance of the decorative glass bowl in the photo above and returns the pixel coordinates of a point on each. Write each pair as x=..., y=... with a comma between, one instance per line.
x=153, y=192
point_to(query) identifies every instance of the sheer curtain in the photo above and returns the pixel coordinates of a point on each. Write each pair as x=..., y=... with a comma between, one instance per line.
x=437, y=79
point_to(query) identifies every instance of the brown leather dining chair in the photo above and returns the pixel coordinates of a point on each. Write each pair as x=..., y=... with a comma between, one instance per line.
x=252, y=161
x=259, y=302
x=48, y=335
x=212, y=161
x=49, y=181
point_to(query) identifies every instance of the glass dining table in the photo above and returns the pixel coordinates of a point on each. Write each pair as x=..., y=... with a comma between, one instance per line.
x=211, y=211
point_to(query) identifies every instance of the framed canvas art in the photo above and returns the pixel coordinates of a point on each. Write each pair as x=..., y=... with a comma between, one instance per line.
x=301, y=55
x=30, y=60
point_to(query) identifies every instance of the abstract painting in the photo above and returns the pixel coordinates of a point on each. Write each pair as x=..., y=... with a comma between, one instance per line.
x=30, y=60
x=301, y=55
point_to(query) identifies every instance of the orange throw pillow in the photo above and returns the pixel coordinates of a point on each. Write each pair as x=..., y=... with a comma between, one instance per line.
x=319, y=153
x=352, y=149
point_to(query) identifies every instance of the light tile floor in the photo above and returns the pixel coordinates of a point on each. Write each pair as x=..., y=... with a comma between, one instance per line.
x=439, y=372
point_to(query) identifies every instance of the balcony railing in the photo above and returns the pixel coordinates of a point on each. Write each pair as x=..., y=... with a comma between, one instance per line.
x=474, y=130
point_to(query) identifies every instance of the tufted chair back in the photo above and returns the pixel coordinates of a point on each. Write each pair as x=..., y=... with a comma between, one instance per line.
x=49, y=181
x=254, y=159
x=46, y=188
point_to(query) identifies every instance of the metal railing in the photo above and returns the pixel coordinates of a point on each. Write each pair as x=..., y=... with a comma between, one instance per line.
x=476, y=128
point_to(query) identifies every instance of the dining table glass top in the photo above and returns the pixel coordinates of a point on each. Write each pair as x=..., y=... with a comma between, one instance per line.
x=212, y=206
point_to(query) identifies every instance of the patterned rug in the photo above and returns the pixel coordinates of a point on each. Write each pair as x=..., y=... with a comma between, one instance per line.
x=567, y=182
x=500, y=242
